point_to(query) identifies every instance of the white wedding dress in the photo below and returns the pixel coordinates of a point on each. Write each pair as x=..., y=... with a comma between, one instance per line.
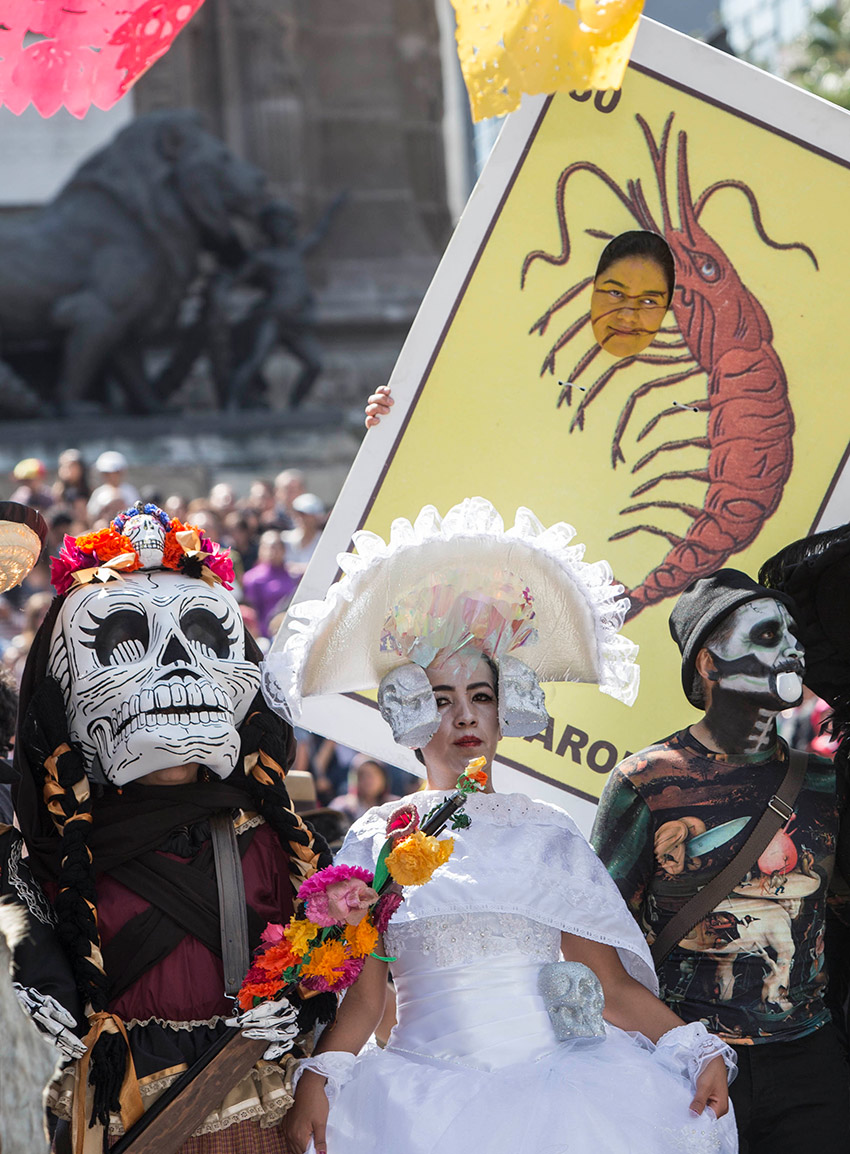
x=473, y=1063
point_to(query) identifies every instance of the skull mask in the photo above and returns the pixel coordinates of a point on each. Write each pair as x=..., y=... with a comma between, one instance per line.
x=148, y=537
x=154, y=674
x=755, y=651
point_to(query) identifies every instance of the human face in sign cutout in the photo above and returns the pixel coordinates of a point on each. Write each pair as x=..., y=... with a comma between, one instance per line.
x=628, y=304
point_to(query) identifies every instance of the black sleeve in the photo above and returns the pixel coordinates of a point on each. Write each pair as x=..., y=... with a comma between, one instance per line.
x=39, y=960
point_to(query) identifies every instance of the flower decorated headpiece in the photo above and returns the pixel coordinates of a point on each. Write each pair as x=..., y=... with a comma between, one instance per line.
x=143, y=537
x=523, y=597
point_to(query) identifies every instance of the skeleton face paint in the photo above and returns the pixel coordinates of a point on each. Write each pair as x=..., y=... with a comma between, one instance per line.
x=154, y=674
x=756, y=652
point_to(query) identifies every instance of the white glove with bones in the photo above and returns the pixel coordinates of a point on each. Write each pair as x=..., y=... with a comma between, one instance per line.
x=52, y=1019
x=270, y=1021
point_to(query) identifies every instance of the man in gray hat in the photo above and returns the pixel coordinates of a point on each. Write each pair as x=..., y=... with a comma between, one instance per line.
x=672, y=817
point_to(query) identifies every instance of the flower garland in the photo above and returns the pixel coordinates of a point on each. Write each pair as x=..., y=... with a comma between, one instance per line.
x=343, y=910
x=105, y=554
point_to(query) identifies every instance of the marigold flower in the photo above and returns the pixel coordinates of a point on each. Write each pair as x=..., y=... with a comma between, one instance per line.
x=105, y=544
x=326, y=961
x=414, y=860
x=259, y=990
x=361, y=938
x=278, y=958
x=172, y=550
x=299, y=933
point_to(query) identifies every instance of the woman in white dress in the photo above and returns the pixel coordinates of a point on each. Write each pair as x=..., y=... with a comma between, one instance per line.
x=497, y=1046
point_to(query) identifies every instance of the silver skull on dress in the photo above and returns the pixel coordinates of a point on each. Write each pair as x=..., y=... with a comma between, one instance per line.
x=153, y=671
x=574, y=1000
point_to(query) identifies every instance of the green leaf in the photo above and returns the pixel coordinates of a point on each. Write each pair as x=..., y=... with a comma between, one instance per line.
x=381, y=872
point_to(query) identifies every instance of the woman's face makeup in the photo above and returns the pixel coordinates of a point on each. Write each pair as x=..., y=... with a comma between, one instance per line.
x=628, y=305
x=465, y=691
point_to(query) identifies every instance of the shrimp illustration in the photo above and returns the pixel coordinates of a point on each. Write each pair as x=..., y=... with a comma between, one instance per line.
x=723, y=332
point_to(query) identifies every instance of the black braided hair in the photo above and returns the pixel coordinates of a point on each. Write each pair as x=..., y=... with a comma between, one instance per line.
x=67, y=797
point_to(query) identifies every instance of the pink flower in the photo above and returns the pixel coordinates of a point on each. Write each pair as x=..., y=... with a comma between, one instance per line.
x=315, y=983
x=273, y=933
x=338, y=895
x=387, y=905
x=348, y=972
x=402, y=823
x=63, y=567
x=318, y=882
x=218, y=562
x=342, y=902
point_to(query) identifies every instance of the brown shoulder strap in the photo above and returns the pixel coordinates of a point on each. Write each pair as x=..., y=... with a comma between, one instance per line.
x=235, y=953
x=778, y=812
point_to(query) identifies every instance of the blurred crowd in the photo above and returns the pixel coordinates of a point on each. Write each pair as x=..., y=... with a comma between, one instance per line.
x=272, y=533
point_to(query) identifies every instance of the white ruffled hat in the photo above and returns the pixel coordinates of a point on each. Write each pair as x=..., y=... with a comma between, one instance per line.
x=440, y=584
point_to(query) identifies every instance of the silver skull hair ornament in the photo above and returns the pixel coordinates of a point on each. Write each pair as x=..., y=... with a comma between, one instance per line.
x=406, y=701
x=154, y=674
x=522, y=704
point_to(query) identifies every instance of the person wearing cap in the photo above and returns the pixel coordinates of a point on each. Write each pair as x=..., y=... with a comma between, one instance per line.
x=30, y=474
x=112, y=466
x=308, y=512
x=674, y=815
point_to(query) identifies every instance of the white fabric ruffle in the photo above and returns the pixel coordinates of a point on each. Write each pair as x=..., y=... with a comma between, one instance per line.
x=688, y=1049
x=333, y=645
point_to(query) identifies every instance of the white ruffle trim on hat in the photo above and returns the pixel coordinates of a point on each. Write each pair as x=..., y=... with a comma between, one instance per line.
x=333, y=645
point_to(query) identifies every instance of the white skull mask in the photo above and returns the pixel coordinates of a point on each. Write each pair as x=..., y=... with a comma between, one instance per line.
x=154, y=674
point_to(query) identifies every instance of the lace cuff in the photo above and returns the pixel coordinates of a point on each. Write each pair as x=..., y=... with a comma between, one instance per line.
x=336, y=1066
x=688, y=1050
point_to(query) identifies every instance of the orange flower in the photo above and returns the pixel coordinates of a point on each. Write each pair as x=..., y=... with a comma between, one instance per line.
x=106, y=544
x=260, y=990
x=279, y=958
x=326, y=961
x=414, y=860
x=361, y=938
x=173, y=552
x=479, y=776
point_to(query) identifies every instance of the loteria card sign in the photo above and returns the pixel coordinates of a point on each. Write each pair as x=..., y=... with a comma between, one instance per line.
x=718, y=442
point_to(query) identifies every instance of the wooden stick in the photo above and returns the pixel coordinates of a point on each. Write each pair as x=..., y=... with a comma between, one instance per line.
x=175, y=1116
